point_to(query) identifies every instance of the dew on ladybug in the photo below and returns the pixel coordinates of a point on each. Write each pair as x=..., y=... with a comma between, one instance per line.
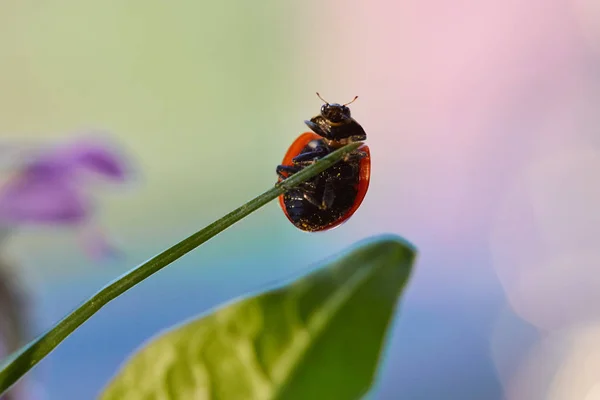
x=330, y=198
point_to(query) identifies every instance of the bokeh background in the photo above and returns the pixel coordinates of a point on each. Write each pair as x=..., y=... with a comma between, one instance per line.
x=483, y=125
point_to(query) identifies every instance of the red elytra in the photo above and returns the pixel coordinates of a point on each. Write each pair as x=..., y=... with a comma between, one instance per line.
x=361, y=186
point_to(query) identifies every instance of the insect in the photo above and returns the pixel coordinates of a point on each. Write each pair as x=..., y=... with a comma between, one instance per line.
x=331, y=197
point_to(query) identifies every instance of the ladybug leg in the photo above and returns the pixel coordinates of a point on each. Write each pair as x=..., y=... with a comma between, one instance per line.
x=285, y=171
x=355, y=155
x=357, y=138
x=361, y=154
x=310, y=155
x=303, y=164
x=310, y=197
x=309, y=186
x=328, y=196
x=325, y=202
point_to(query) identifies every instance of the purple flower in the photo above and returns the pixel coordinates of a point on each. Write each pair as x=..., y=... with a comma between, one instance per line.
x=94, y=155
x=50, y=186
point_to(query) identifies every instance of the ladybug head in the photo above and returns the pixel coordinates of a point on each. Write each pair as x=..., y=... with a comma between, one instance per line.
x=335, y=112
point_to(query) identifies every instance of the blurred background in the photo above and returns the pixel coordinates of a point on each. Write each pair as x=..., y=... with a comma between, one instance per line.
x=483, y=127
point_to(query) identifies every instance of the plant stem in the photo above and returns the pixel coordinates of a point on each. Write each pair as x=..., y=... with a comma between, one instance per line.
x=16, y=365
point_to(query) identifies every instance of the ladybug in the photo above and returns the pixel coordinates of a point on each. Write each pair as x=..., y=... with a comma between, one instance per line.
x=328, y=199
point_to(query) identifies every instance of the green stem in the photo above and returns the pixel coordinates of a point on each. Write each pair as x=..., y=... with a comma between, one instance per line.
x=16, y=365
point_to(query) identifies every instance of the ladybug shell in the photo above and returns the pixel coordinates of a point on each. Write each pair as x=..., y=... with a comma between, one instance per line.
x=349, y=196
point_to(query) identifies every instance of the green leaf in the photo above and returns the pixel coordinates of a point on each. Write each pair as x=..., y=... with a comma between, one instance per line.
x=319, y=337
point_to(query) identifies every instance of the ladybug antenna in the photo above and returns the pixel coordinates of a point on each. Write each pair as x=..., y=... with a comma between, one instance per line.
x=324, y=101
x=353, y=100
